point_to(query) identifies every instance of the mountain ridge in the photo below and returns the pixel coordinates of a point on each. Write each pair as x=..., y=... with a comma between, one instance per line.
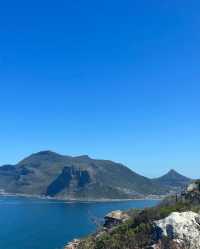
x=47, y=173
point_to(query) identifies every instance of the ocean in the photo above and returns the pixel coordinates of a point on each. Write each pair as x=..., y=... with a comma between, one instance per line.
x=27, y=223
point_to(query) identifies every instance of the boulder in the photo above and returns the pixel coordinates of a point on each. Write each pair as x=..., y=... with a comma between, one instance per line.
x=183, y=229
x=194, y=186
x=115, y=218
x=73, y=244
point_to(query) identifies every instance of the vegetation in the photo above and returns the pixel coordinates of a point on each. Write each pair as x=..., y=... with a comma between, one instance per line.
x=49, y=174
x=173, y=179
x=139, y=231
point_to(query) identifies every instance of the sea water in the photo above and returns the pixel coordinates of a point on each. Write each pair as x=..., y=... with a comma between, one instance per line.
x=27, y=223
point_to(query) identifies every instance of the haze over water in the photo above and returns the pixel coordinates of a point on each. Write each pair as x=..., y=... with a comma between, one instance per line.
x=43, y=224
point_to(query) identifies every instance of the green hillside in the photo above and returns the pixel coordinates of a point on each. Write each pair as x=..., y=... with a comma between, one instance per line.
x=49, y=174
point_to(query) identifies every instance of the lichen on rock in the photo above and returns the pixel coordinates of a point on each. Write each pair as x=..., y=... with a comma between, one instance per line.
x=181, y=227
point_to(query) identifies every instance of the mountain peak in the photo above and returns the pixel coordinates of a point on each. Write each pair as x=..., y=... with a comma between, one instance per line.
x=172, y=172
x=83, y=157
x=45, y=152
x=173, y=178
x=41, y=155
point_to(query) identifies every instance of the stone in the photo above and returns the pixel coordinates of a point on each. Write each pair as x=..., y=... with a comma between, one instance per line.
x=194, y=186
x=115, y=218
x=73, y=244
x=182, y=228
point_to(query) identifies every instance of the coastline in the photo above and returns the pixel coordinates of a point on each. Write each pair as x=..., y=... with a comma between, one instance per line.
x=81, y=199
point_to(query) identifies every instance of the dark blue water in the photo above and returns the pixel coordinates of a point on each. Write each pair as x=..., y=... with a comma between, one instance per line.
x=43, y=224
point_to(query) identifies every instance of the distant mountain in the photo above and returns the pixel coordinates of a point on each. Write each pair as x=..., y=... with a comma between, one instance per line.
x=49, y=174
x=172, y=180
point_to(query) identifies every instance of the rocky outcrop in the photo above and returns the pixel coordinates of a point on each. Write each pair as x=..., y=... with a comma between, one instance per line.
x=73, y=244
x=115, y=218
x=182, y=229
x=192, y=193
x=194, y=186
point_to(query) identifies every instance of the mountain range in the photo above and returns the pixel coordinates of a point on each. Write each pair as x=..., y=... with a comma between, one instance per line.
x=49, y=174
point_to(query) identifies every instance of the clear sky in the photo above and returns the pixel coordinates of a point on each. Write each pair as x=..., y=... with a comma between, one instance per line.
x=116, y=80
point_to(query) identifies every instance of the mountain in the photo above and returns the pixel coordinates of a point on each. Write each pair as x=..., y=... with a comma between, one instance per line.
x=49, y=174
x=65, y=177
x=172, y=180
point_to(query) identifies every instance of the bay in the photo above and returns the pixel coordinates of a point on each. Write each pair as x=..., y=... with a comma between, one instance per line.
x=27, y=223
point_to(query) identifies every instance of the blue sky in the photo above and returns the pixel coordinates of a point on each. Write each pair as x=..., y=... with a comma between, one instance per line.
x=116, y=80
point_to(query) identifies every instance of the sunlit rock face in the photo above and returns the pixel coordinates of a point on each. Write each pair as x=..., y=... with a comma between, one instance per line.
x=73, y=244
x=194, y=186
x=181, y=228
x=115, y=218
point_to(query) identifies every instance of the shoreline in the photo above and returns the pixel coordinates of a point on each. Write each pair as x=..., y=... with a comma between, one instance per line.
x=79, y=200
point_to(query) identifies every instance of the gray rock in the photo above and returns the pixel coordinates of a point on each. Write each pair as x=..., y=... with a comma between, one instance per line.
x=115, y=218
x=182, y=228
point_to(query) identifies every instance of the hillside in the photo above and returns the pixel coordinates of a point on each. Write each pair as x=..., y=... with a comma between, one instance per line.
x=173, y=179
x=49, y=174
x=173, y=224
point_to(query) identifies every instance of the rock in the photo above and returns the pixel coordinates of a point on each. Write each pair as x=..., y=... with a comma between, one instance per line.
x=115, y=218
x=192, y=193
x=73, y=244
x=194, y=186
x=171, y=245
x=183, y=229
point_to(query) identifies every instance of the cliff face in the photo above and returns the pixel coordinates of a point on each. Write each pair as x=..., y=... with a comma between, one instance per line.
x=70, y=179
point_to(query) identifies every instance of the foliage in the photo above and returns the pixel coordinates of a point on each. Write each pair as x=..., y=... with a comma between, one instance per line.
x=138, y=231
x=49, y=174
